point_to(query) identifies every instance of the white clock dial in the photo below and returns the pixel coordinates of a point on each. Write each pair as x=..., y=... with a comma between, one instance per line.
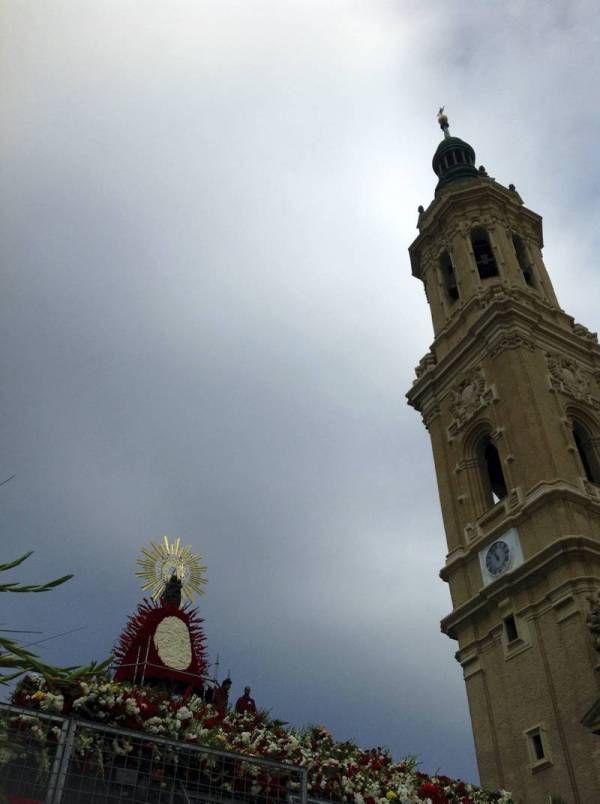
x=497, y=557
x=500, y=556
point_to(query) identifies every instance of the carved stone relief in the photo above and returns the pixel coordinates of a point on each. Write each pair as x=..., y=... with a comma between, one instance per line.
x=425, y=364
x=471, y=531
x=593, y=619
x=430, y=413
x=468, y=396
x=511, y=340
x=509, y=292
x=514, y=498
x=569, y=378
x=585, y=333
x=591, y=489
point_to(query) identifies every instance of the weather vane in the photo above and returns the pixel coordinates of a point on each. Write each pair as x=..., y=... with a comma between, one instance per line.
x=442, y=119
x=161, y=561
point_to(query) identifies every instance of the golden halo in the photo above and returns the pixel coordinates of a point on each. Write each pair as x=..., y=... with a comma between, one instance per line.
x=160, y=561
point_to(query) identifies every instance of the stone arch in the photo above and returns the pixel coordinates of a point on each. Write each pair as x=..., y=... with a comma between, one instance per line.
x=523, y=260
x=483, y=253
x=448, y=277
x=484, y=465
x=585, y=433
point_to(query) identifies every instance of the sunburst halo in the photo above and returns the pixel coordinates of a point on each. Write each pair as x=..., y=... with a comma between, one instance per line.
x=160, y=561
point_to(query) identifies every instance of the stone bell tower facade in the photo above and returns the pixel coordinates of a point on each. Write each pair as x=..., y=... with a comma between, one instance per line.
x=510, y=395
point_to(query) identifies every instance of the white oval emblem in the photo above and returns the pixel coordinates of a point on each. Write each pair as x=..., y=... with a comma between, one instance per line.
x=173, y=643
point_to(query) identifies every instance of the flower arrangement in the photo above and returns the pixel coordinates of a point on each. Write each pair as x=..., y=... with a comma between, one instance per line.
x=336, y=771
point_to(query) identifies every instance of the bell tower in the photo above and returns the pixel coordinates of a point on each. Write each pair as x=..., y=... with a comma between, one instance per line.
x=510, y=395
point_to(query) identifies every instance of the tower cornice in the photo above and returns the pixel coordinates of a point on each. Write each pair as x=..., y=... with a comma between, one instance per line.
x=515, y=513
x=507, y=321
x=560, y=599
x=566, y=547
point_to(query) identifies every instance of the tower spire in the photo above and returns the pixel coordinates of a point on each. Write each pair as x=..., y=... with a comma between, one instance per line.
x=442, y=119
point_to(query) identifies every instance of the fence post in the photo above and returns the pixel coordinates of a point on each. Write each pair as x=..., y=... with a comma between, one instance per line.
x=60, y=765
x=303, y=785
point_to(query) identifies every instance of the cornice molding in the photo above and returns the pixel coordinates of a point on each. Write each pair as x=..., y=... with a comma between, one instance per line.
x=504, y=324
x=561, y=596
x=511, y=512
x=565, y=546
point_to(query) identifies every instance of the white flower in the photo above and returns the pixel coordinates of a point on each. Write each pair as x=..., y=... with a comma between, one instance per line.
x=154, y=725
x=52, y=703
x=5, y=756
x=131, y=707
x=184, y=713
x=245, y=737
x=121, y=748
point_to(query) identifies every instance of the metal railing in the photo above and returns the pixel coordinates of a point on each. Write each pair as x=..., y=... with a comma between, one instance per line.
x=56, y=760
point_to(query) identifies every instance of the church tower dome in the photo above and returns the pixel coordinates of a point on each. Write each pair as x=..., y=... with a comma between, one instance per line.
x=454, y=158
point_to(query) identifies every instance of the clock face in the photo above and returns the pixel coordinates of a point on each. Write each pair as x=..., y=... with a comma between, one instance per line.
x=497, y=557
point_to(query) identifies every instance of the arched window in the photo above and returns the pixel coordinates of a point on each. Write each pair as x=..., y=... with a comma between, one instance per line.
x=523, y=260
x=448, y=277
x=588, y=453
x=491, y=467
x=484, y=256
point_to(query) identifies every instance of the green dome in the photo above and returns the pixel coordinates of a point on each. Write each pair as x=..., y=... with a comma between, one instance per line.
x=453, y=160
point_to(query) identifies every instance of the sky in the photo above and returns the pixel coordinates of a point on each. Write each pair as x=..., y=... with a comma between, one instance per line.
x=208, y=322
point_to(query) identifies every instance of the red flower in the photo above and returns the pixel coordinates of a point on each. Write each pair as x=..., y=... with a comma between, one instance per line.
x=147, y=710
x=432, y=791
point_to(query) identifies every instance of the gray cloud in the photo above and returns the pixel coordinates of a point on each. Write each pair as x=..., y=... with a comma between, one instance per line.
x=208, y=320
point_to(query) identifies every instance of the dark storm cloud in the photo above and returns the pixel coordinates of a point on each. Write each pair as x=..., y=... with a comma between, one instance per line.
x=208, y=320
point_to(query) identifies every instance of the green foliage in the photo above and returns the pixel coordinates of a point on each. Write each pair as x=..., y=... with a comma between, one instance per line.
x=17, y=658
x=17, y=587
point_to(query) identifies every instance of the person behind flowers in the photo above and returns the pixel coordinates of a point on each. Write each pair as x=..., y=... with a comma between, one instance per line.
x=245, y=703
x=221, y=696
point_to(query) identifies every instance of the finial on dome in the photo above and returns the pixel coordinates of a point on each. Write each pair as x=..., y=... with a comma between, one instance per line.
x=442, y=119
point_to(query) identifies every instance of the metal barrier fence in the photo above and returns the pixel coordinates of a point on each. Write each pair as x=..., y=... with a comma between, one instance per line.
x=50, y=759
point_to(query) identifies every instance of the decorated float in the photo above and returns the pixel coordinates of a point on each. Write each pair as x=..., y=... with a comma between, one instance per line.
x=163, y=642
x=161, y=722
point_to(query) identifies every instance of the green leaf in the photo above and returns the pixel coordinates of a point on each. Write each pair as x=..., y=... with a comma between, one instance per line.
x=16, y=562
x=12, y=587
x=15, y=657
